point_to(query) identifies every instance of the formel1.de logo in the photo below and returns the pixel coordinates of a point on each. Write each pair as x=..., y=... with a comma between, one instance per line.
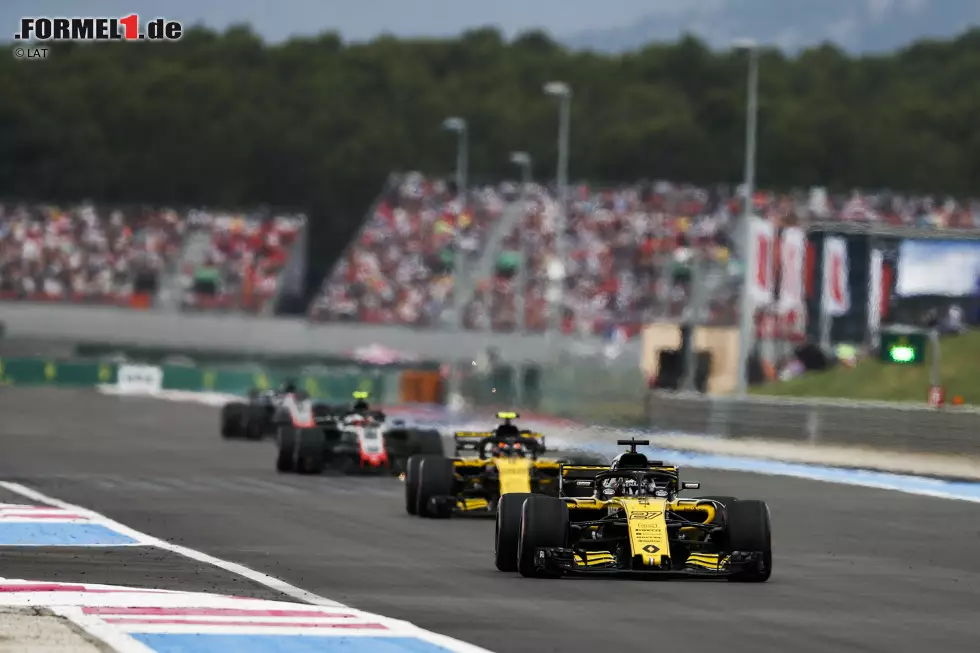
x=125, y=28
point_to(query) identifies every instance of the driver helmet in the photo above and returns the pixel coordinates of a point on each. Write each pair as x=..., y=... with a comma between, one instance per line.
x=515, y=449
x=360, y=404
x=508, y=431
x=630, y=487
x=629, y=460
x=620, y=487
x=289, y=387
x=609, y=487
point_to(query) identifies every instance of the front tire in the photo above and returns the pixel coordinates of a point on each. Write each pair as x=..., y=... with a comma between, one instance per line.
x=508, y=533
x=749, y=529
x=544, y=523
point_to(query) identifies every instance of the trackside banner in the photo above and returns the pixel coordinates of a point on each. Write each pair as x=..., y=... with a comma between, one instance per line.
x=139, y=379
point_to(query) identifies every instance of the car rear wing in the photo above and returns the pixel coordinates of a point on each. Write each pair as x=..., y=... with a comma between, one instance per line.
x=578, y=480
x=470, y=440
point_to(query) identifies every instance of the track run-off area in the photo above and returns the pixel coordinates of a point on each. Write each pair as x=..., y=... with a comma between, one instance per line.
x=855, y=568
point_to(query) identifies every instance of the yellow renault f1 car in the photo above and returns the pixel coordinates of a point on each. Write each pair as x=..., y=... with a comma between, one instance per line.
x=626, y=519
x=487, y=466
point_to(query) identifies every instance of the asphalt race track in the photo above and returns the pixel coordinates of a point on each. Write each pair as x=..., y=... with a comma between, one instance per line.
x=855, y=569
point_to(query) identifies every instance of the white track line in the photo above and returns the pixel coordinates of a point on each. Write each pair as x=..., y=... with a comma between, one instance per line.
x=119, y=640
x=233, y=567
x=125, y=644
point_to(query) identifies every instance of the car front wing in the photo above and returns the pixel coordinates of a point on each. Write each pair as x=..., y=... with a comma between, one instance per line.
x=555, y=560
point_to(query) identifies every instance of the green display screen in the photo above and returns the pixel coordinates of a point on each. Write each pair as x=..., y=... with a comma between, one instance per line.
x=903, y=349
x=902, y=354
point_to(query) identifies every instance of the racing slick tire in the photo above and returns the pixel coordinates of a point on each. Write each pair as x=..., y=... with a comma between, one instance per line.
x=413, y=470
x=401, y=444
x=311, y=445
x=544, y=523
x=232, y=416
x=508, y=534
x=255, y=423
x=436, y=479
x=427, y=441
x=749, y=530
x=287, y=457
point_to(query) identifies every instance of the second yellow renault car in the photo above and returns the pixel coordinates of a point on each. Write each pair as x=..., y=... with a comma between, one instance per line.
x=486, y=466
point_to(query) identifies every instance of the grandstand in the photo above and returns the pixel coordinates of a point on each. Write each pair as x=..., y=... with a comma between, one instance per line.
x=138, y=257
x=630, y=250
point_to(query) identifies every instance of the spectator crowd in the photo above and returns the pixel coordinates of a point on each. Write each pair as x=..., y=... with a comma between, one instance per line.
x=238, y=263
x=629, y=251
x=122, y=256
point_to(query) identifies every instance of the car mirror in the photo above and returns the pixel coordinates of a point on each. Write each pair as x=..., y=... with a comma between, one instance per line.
x=690, y=486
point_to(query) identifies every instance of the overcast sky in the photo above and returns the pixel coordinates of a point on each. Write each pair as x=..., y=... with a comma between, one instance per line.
x=605, y=24
x=361, y=19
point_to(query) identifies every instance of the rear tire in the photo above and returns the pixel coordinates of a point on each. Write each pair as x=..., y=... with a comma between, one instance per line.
x=231, y=420
x=749, y=530
x=287, y=458
x=312, y=446
x=412, y=473
x=255, y=423
x=427, y=442
x=508, y=534
x=436, y=479
x=544, y=523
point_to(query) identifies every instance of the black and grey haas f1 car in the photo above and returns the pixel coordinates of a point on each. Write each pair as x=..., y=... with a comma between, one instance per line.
x=261, y=415
x=355, y=439
x=626, y=519
x=487, y=466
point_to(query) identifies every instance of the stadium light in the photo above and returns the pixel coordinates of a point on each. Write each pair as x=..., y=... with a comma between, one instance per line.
x=458, y=125
x=563, y=92
x=746, y=316
x=559, y=89
x=523, y=160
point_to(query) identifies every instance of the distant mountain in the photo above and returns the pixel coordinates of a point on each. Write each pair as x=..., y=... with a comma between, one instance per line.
x=859, y=26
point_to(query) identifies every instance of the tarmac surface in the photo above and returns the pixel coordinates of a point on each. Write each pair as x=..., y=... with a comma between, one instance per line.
x=855, y=569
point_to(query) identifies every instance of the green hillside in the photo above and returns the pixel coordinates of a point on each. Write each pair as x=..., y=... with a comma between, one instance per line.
x=872, y=379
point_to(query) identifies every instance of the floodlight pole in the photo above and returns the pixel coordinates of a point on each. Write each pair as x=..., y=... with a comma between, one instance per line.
x=746, y=321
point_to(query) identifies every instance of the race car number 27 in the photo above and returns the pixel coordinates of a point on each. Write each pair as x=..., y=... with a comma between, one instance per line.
x=646, y=514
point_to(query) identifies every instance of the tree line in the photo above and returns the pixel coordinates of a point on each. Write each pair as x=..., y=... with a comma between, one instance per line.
x=225, y=119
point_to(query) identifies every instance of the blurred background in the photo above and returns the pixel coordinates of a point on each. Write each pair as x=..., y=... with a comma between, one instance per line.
x=647, y=214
